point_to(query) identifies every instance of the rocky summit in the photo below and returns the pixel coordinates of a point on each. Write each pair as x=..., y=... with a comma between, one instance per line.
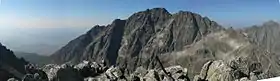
x=155, y=45
x=155, y=38
x=137, y=40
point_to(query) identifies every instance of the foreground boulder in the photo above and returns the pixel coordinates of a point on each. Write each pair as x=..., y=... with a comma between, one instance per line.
x=111, y=74
x=177, y=72
x=33, y=72
x=237, y=69
x=51, y=70
x=80, y=72
x=88, y=69
x=172, y=73
x=221, y=71
x=92, y=71
x=67, y=73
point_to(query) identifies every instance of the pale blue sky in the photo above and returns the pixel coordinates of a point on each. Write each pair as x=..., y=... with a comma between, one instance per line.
x=42, y=26
x=85, y=13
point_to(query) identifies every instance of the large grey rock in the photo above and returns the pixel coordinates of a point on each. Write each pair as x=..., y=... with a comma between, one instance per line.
x=37, y=72
x=115, y=73
x=177, y=73
x=86, y=70
x=67, y=73
x=217, y=71
x=51, y=70
x=222, y=71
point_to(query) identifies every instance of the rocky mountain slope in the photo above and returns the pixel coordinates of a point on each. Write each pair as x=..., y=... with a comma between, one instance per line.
x=10, y=65
x=238, y=54
x=184, y=38
x=154, y=29
x=266, y=35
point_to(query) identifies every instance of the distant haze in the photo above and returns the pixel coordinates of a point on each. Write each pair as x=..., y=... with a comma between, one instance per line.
x=38, y=40
x=43, y=26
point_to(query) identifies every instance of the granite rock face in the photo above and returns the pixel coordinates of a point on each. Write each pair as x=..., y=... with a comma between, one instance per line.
x=266, y=35
x=137, y=40
x=157, y=32
x=155, y=45
x=233, y=48
x=184, y=38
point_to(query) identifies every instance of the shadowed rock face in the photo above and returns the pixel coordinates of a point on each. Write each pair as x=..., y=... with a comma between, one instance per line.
x=10, y=65
x=171, y=32
x=74, y=49
x=101, y=42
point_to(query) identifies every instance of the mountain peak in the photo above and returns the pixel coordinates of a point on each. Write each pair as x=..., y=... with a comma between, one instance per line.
x=158, y=9
x=270, y=23
x=155, y=11
x=117, y=20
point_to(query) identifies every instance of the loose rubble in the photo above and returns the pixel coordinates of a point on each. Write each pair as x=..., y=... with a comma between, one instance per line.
x=92, y=71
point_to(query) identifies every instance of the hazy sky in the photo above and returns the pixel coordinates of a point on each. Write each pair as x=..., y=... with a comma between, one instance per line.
x=85, y=13
x=50, y=21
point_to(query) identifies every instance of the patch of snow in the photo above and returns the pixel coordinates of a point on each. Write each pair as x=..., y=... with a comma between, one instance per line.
x=271, y=79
